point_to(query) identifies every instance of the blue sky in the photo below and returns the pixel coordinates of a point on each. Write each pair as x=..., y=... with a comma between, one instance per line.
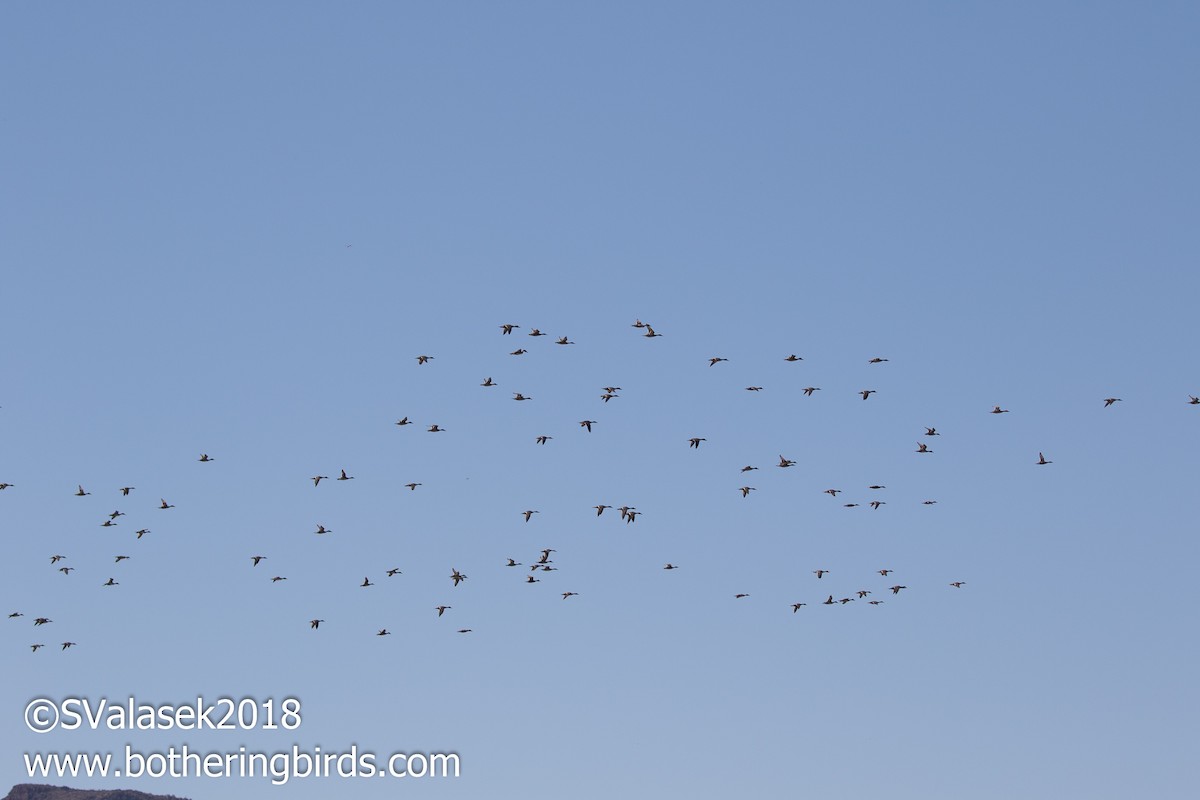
x=231, y=230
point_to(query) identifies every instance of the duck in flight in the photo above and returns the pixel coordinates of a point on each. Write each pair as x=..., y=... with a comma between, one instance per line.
x=457, y=576
x=808, y=390
x=315, y=623
x=923, y=448
x=424, y=359
x=1108, y=401
x=587, y=423
x=712, y=362
x=695, y=442
x=529, y=513
x=345, y=477
x=998, y=410
x=867, y=393
x=205, y=458
x=316, y=479
x=80, y=492
x=1042, y=460
x=543, y=439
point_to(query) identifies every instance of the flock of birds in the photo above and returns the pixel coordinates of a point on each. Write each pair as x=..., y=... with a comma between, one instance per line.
x=539, y=567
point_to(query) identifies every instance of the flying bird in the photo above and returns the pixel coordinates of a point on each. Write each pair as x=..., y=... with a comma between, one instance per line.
x=529, y=513
x=543, y=439
x=488, y=382
x=1108, y=401
x=316, y=479
x=793, y=357
x=81, y=493
x=507, y=329
x=315, y=623
x=714, y=361
x=695, y=442
x=999, y=410
x=1042, y=460
x=442, y=609
x=867, y=393
x=808, y=390
x=457, y=576
x=205, y=457
x=424, y=359
x=746, y=490
x=587, y=423
x=345, y=477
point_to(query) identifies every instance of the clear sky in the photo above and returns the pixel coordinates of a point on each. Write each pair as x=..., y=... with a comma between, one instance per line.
x=231, y=228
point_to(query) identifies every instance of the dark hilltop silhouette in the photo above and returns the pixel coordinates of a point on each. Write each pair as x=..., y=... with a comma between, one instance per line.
x=32, y=791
